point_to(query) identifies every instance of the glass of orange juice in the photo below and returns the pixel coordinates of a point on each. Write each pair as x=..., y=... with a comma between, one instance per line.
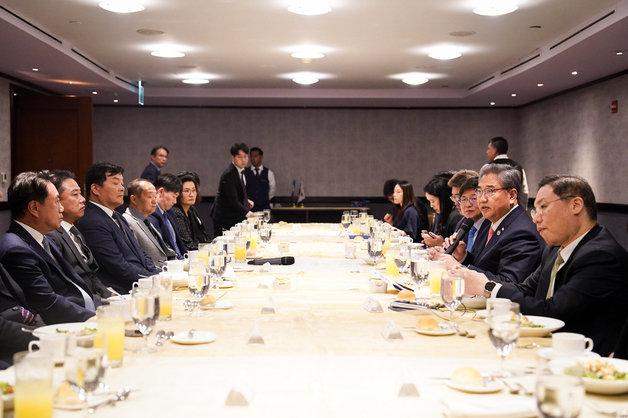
x=165, y=296
x=111, y=331
x=437, y=270
x=240, y=249
x=33, y=384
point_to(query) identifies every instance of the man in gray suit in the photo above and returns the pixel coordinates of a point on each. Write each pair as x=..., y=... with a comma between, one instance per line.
x=142, y=202
x=68, y=238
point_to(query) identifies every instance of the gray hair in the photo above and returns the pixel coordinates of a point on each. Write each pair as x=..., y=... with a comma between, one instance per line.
x=509, y=177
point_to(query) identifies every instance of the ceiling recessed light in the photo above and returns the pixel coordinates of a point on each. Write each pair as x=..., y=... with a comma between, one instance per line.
x=35, y=69
x=167, y=53
x=306, y=55
x=309, y=7
x=195, y=81
x=415, y=80
x=539, y=84
x=70, y=82
x=514, y=94
x=495, y=7
x=305, y=79
x=574, y=73
x=94, y=92
x=492, y=103
x=115, y=100
x=619, y=53
x=444, y=53
x=121, y=6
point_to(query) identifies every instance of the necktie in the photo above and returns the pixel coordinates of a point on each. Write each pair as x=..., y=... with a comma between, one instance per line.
x=84, y=249
x=257, y=171
x=557, y=264
x=472, y=232
x=245, y=199
x=158, y=237
x=490, y=234
x=117, y=218
x=46, y=246
x=173, y=236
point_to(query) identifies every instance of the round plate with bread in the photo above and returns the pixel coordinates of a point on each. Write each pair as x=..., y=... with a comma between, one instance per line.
x=427, y=325
x=469, y=379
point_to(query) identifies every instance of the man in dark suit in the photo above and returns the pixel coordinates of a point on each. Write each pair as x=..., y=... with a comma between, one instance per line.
x=158, y=159
x=142, y=203
x=68, y=238
x=496, y=151
x=510, y=248
x=583, y=276
x=232, y=204
x=50, y=286
x=121, y=259
x=168, y=188
x=260, y=181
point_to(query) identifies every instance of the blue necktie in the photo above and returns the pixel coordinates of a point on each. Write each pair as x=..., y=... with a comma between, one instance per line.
x=472, y=232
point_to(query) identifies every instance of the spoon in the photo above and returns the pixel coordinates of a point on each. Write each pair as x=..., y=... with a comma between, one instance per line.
x=120, y=395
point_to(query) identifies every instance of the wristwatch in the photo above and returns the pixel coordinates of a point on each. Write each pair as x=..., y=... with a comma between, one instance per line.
x=488, y=289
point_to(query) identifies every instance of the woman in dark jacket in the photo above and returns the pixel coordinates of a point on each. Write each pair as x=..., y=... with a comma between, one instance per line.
x=438, y=193
x=406, y=213
x=190, y=225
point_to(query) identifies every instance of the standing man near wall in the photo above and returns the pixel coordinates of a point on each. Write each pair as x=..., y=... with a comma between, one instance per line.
x=260, y=181
x=496, y=153
x=232, y=202
x=158, y=159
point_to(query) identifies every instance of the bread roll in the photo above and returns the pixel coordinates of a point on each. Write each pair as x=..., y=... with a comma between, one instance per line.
x=208, y=300
x=467, y=376
x=427, y=323
x=407, y=295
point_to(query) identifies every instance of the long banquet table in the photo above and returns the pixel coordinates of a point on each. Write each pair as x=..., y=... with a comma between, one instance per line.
x=323, y=354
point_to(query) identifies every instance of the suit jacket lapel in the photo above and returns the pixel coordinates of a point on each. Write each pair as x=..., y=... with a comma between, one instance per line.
x=561, y=276
x=503, y=227
x=69, y=242
x=67, y=271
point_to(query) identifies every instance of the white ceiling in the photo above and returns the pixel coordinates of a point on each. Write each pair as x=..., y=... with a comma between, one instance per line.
x=245, y=46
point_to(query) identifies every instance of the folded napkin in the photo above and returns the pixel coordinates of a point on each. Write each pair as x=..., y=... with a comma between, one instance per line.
x=490, y=407
x=229, y=273
x=266, y=268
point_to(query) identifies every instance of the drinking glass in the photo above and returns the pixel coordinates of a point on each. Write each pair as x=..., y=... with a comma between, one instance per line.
x=165, y=296
x=266, y=215
x=503, y=323
x=265, y=233
x=374, y=247
x=198, y=284
x=240, y=249
x=437, y=270
x=419, y=269
x=345, y=221
x=391, y=265
x=451, y=291
x=145, y=311
x=217, y=265
x=559, y=388
x=401, y=258
x=110, y=334
x=84, y=370
x=33, y=384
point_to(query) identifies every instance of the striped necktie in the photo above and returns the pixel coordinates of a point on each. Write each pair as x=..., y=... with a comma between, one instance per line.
x=559, y=261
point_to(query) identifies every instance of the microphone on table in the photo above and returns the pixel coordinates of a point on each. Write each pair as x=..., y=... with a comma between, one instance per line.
x=462, y=232
x=284, y=261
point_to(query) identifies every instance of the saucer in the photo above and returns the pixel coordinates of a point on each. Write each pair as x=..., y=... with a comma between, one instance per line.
x=199, y=337
x=549, y=354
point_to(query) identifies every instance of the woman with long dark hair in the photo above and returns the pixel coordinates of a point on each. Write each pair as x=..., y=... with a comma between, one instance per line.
x=438, y=193
x=406, y=213
x=190, y=225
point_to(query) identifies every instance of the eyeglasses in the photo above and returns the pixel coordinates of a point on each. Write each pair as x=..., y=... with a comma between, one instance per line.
x=455, y=198
x=543, y=208
x=488, y=192
x=472, y=200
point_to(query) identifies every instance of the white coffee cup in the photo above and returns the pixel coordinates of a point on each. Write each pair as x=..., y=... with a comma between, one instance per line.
x=54, y=345
x=173, y=266
x=571, y=344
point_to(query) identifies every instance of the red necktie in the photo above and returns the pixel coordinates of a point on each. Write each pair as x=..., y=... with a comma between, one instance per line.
x=490, y=235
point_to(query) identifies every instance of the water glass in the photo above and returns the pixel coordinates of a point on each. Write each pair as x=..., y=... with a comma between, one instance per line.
x=198, y=284
x=266, y=215
x=217, y=265
x=265, y=232
x=84, y=369
x=419, y=269
x=503, y=329
x=374, y=248
x=33, y=384
x=560, y=389
x=145, y=311
x=345, y=221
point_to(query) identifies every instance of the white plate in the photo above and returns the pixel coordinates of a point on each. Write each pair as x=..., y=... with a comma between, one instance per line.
x=549, y=354
x=220, y=304
x=242, y=268
x=549, y=325
x=199, y=337
x=488, y=387
x=69, y=327
x=609, y=387
x=599, y=386
x=481, y=314
x=444, y=330
x=474, y=302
